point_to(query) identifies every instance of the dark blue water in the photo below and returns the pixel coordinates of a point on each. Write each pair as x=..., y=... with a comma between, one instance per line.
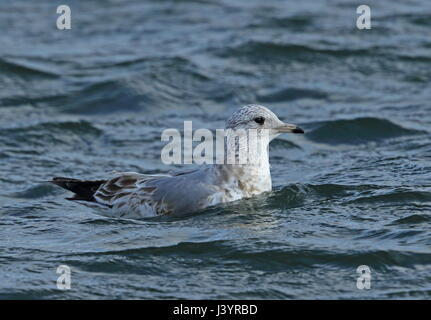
x=354, y=190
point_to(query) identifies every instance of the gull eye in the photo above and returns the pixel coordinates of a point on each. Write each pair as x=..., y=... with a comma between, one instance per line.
x=259, y=120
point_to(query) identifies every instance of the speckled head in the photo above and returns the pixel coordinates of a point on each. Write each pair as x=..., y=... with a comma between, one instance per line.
x=259, y=117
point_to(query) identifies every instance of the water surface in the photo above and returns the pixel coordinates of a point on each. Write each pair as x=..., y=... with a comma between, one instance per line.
x=354, y=190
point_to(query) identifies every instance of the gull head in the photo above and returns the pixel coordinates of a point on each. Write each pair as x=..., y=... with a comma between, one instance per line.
x=260, y=118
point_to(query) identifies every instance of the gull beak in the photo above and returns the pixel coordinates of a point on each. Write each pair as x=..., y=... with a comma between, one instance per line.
x=288, y=127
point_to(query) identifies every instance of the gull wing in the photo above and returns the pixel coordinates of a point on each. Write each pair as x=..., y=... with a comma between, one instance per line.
x=133, y=194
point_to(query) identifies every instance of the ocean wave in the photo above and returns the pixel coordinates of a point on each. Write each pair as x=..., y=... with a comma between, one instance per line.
x=356, y=131
x=291, y=94
x=260, y=50
x=22, y=69
x=36, y=192
x=103, y=97
x=396, y=196
x=161, y=84
x=49, y=133
x=269, y=258
x=420, y=19
x=413, y=219
x=294, y=23
x=284, y=144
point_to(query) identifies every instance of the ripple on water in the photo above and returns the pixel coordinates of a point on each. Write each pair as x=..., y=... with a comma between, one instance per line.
x=359, y=130
x=353, y=190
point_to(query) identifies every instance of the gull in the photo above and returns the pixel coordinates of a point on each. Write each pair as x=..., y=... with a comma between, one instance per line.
x=135, y=195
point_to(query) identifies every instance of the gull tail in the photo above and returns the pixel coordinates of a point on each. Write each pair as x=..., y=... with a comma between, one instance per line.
x=84, y=189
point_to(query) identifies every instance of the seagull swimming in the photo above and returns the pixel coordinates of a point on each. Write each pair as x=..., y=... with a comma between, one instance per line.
x=136, y=195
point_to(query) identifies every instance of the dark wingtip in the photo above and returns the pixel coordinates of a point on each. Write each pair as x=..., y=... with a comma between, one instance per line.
x=83, y=189
x=62, y=181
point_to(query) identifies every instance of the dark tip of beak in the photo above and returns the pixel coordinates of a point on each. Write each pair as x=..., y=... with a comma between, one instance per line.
x=298, y=130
